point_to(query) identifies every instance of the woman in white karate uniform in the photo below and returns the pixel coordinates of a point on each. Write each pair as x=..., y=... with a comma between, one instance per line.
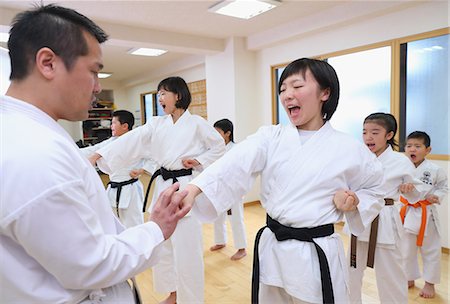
x=378, y=134
x=180, y=144
x=236, y=213
x=311, y=177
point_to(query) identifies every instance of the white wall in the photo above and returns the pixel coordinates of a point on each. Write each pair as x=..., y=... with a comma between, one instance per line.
x=5, y=70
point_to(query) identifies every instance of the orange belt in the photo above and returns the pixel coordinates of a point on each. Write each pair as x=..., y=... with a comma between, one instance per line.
x=423, y=204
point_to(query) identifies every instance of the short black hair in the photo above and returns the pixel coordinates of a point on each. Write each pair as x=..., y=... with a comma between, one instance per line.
x=387, y=121
x=420, y=135
x=125, y=117
x=325, y=76
x=178, y=86
x=58, y=28
x=225, y=125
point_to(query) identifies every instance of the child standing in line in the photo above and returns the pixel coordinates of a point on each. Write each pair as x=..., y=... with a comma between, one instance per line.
x=311, y=177
x=386, y=230
x=420, y=219
x=125, y=191
x=180, y=144
x=236, y=213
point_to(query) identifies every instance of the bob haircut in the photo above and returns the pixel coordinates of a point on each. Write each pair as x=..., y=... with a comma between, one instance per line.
x=178, y=86
x=325, y=76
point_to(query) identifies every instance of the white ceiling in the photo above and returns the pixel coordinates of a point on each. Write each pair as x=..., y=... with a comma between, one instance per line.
x=190, y=32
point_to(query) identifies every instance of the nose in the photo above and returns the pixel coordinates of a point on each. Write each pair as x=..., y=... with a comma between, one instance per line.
x=97, y=87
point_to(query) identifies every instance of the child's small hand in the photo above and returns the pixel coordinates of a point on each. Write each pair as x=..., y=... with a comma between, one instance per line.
x=345, y=200
x=406, y=188
x=190, y=163
x=135, y=173
x=434, y=199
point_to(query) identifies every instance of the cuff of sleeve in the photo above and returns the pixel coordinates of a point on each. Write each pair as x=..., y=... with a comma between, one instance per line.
x=156, y=231
x=354, y=222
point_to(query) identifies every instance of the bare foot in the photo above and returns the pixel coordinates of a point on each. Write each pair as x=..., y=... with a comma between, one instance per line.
x=171, y=299
x=217, y=247
x=239, y=254
x=427, y=291
x=410, y=284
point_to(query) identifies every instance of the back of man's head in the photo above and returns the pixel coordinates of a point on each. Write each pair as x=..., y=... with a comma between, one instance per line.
x=58, y=28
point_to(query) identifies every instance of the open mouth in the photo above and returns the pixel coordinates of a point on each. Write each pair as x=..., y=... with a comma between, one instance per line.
x=370, y=146
x=294, y=110
x=413, y=157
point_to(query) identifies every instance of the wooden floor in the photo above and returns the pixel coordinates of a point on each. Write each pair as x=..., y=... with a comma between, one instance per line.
x=228, y=281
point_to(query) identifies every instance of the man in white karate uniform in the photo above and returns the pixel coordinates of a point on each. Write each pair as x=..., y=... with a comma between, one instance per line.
x=59, y=240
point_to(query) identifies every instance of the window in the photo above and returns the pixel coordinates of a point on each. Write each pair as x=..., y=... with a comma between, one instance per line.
x=407, y=77
x=364, y=79
x=425, y=85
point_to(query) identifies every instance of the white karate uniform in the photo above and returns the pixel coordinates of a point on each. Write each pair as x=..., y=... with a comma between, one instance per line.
x=435, y=182
x=59, y=240
x=236, y=220
x=132, y=195
x=298, y=182
x=388, y=264
x=167, y=144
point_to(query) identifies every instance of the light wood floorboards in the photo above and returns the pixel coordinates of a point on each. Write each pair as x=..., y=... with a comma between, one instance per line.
x=228, y=281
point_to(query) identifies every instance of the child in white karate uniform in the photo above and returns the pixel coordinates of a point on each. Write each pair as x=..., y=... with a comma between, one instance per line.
x=127, y=206
x=236, y=213
x=421, y=220
x=307, y=170
x=383, y=253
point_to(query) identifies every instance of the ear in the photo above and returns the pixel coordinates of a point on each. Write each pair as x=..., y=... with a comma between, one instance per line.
x=46, y=62
x=428, y=150
x=325, y=94
x=389, y=135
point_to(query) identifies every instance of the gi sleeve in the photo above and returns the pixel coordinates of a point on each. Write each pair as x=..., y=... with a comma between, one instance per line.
x=369, y=192
x=126, y=150
x=214, y=143
x=230, y=177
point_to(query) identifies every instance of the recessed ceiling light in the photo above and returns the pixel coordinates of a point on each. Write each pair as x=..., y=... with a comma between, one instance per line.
x=244, y=9
x=146, y=52
x=104, y=75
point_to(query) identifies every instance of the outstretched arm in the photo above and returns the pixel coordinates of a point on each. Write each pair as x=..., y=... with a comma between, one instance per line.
x=169, y=209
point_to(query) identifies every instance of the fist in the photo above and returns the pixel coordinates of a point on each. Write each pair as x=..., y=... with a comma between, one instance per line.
x=406, y=188
x=345, y=200
x=190, y=163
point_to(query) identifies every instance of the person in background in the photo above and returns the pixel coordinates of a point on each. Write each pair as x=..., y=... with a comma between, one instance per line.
x=311, y=177
x=59, y=240
x=421, y=219
x=180, y=144
x=125, y=190
x=236, y=213
x=378, y=246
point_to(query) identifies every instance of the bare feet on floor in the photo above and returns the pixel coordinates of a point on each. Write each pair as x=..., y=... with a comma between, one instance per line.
x=239, y=254
x=217, y=247
x=171, y=299
x=410, y=284
x=427, y=291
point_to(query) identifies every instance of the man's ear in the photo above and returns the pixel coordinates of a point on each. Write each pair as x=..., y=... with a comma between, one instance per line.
x=46, y=62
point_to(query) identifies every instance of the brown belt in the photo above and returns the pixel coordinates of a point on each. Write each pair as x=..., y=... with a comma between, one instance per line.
x=372, y=240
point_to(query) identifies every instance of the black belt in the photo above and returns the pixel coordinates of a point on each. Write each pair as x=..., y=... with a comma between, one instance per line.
x=119, y=186
x=166, y=174
x=283, y=233
x=372, y=240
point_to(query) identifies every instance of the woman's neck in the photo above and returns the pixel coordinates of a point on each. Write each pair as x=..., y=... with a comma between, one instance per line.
x=176, y=114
